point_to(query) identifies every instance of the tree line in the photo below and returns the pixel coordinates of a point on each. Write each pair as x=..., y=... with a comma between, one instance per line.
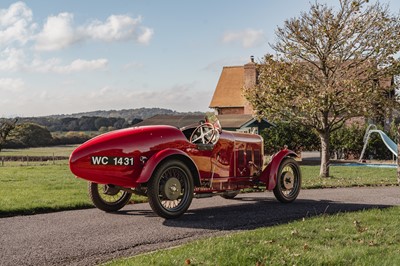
x=84, y=123
x=49, y=131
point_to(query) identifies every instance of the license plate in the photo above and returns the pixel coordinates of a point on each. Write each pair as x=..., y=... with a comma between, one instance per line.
x=112, y=160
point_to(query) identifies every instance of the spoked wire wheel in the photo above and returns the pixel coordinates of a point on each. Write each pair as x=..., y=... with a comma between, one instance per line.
x=288, y=181
x=107, y=197
x=170, y=189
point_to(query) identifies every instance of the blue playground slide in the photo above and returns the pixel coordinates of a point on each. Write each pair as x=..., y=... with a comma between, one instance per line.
x=388, y=142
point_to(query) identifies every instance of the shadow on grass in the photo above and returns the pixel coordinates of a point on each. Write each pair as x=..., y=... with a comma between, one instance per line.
x=246, y=212
x=252, y=213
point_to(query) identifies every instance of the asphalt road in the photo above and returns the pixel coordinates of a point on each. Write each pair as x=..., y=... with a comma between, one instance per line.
x=89, y=237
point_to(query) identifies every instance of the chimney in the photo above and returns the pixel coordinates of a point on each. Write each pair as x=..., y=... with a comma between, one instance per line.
x=250, y=79
x=250, y=73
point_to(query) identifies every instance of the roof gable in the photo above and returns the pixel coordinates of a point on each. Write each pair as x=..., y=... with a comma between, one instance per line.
x=228, y=92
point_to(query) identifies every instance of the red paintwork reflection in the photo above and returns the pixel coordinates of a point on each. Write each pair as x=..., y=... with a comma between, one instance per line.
x=132, y=142
x=234, y=162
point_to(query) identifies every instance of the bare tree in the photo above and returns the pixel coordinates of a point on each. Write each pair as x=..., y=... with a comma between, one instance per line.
x=330, y=65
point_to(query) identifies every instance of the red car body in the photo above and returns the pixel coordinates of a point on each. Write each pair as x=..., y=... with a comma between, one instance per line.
x=127, y=159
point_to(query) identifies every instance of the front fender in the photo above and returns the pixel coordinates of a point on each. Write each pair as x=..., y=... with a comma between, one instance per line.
x=160, y=156
x=270, y=173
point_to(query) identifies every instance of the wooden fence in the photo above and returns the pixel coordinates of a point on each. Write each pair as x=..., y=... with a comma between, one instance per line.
x=26, y=159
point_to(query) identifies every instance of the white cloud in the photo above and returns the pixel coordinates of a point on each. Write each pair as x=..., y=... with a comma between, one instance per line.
x=11, y=85
x=59, y=31
x=84, y=65
x=145, y=36
x=118, y=28
x=54, y=66
x=47, y=100
x=16, y=24
x=247, y=38
x=178, y=97
x=12, y=59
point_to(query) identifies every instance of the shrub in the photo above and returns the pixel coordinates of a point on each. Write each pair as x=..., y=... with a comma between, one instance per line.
x=345, y=143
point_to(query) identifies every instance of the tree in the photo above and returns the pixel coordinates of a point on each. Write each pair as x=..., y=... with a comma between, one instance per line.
x=6, y=126
x=101, y=122
x=31, y=135
x=330, y=65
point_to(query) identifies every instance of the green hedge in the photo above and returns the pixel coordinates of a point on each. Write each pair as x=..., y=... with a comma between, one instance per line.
x=345, y=143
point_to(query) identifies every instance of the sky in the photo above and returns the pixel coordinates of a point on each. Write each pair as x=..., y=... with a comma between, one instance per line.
x=69, y=56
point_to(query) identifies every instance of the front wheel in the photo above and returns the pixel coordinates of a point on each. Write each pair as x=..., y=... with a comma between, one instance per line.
x=170, y=189
x=108, y=198
x=288, y=181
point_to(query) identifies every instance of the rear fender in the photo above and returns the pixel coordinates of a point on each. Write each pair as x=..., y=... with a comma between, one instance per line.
x=269, y=175
x=162, y=155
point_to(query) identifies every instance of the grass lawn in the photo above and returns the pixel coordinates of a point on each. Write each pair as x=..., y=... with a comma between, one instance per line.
x=30, y=189
x=369, y=237
x=42, y=188
x=47, y=187
x=348, y=176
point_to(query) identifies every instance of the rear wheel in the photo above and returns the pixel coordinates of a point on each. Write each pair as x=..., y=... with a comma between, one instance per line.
x=288, y=181
x=107, y=197
x=170, y=189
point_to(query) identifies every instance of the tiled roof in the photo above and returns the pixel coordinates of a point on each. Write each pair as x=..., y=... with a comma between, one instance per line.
x=228, y=92
x=234, y=121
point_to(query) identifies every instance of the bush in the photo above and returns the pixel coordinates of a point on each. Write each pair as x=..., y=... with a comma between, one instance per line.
x=345, y=143
x=297, y=138
x=29, y=135
x=348, y=142
x=71, y=138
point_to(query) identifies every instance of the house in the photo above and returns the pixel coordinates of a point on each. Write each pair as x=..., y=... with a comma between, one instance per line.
x=228, y=95
x=230, y=122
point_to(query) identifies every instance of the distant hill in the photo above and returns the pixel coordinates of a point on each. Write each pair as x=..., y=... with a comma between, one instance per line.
x=99, y=120
x=128, y=114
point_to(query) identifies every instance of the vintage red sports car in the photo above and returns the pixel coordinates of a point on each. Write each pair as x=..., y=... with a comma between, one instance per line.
x=172, y=165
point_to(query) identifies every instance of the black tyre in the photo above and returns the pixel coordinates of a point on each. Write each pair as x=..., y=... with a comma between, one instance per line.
x=170, y=189
x=230, y=194
x=108, y=198
x=288, y=181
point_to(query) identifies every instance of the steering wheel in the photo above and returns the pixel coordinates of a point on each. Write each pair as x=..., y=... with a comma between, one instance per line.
x=206, y=133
